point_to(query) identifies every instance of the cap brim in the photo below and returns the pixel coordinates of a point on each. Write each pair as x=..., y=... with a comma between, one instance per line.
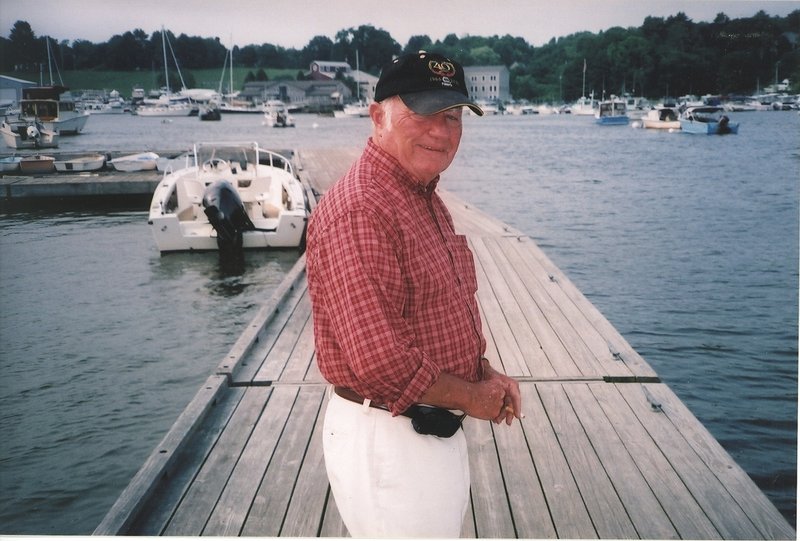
x=430, y=102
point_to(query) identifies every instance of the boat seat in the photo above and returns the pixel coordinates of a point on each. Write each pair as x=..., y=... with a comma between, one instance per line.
x=271, y=200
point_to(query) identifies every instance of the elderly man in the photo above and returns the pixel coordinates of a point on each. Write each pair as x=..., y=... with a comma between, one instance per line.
x=396, y=322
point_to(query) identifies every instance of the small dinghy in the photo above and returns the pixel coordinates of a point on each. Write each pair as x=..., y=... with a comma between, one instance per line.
x=94, y=162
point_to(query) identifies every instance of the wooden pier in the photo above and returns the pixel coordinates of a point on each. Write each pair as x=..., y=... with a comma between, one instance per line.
x=605, y=451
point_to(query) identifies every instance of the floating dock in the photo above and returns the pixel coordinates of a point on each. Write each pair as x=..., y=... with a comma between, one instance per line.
x=605, y=451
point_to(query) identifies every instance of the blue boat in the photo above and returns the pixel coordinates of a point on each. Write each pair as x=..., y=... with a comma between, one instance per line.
x=707, y=120
x=612, y=112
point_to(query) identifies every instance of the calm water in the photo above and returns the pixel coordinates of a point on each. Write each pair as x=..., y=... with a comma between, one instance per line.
x=688, y=245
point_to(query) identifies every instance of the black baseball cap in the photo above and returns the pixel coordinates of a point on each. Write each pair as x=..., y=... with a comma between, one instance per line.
x=428, y=83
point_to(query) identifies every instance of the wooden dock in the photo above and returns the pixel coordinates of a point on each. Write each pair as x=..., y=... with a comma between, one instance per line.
x=605, y=451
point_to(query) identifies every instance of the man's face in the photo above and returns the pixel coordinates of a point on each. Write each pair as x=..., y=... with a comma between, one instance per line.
x=424, y=144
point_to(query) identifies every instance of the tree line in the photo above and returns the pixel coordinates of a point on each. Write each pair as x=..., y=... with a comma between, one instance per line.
x=664, y=56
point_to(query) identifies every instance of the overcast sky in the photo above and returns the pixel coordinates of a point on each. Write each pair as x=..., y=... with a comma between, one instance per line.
x=293, y=23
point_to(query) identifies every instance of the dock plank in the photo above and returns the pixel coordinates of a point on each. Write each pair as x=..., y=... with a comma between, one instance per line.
x=606, y=510
x=192, y=515
x=269, y=507
x=642, y=507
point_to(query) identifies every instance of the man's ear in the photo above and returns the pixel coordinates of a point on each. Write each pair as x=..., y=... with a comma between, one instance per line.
x=377, y=114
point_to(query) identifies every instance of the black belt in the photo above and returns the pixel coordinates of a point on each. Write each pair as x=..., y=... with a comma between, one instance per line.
x=426, y=420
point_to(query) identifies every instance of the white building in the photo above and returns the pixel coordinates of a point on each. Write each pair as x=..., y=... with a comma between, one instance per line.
x=488, y=83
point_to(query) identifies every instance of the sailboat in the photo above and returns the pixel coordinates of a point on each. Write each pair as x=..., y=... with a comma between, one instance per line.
x=584, y=106
x=359, y=108
x=167, y=104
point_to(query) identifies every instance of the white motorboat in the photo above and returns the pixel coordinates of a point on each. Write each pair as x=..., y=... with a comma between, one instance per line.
x=93, y=162
x=235, y=196
x=20, y=133
x=276, y=115
x=707, y=120
x=143, y=161
x=54, y=108
x=662, y=117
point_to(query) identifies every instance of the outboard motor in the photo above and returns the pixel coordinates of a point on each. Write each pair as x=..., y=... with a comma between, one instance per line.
x=225, y=212
x=723, y=125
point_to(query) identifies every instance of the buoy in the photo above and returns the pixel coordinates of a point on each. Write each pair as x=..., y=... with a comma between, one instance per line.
x=33, y=133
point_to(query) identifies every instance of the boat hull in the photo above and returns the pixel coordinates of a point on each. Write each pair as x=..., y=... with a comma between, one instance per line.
x=35, y=165
x=145, y=161
x=708, y=128
x=661, y=124
x=620, y=120
x=18, y=135
x=10, y=164
x=86, y=163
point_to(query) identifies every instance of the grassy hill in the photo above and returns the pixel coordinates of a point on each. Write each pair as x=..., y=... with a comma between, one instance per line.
x=124, y=81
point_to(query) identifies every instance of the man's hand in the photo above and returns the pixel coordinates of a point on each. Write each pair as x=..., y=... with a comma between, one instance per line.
x=512, y=401
x=495, y=398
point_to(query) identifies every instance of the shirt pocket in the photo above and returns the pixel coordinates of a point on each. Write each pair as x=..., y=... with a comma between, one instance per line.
x=464, y=263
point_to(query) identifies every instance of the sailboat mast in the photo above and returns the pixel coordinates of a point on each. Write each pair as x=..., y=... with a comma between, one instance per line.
x=49, y=62
x=164, y=48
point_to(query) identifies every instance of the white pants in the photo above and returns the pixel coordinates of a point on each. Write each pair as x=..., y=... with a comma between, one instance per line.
x=389, y=481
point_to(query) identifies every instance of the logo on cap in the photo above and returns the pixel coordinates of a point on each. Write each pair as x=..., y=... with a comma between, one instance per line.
x=442, y=69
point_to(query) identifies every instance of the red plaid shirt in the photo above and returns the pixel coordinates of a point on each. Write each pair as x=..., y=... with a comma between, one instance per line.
x=392, y=286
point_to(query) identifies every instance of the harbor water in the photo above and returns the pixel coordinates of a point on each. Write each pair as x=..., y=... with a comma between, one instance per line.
x=687, y=244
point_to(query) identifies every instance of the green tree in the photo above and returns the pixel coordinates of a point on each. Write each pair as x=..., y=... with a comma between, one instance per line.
x=23, y=48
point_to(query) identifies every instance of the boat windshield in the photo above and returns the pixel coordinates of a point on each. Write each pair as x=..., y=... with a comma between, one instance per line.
x=241, y=153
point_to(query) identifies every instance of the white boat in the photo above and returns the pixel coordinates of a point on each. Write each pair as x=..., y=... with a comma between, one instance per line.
x=707, y=120
x=235, y=196
x=143, y=161
x=9, y=164
x=239, y=107
x=173, y=163
x=662, y=117
x=611, y=112
x=167, y=104
x=19, y=133
x=36, y=164
x=166, y=108
x=93, y=162
x=584, y=106
x=276, y=115
x=54, y=107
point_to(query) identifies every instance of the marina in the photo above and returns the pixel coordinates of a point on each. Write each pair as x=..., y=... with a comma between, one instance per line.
x=617, y=380
x=606, y=450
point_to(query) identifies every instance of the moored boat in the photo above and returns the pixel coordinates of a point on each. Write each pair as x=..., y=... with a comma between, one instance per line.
x=19, y=133
x=37, y=164
x=93, y=162
x=54, y=107
x=611, y=113
x=235, y=196
x=662, y=117
x=276, y=115
x=9, y=164
x=707, y=120
x=143, y=161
